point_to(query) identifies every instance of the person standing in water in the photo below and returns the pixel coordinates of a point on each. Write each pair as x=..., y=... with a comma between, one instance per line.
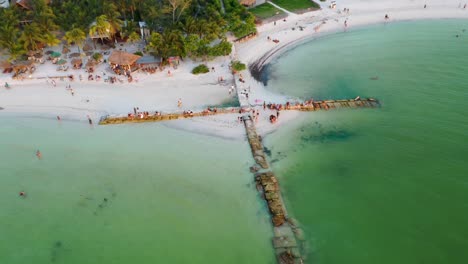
x=38, y=154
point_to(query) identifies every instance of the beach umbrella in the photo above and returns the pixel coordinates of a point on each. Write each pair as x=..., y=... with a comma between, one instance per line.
x=55, y=54
x=89, y=53
x=74, y=55
x=48, y=52
x=87, y=47
x=65, y=50
x=61, y=62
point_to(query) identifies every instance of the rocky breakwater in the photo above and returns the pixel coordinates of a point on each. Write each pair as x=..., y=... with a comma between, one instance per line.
x=288, y=240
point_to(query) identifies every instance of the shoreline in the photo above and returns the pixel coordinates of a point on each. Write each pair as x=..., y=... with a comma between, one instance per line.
x=161, y=92
x=258, y=67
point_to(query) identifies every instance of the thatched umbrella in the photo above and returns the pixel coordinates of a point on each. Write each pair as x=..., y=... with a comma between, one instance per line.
x=65, y=50
x=90, y=65
x=74, y=55
x=87, y=47
x=76, y=63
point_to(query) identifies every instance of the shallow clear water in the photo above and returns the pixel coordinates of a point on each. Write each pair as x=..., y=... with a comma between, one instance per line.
x=126, y=194
x=386, y=185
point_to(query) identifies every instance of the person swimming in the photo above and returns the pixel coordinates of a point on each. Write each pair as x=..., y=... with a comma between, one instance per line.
x=22, y=194
x=38, y=154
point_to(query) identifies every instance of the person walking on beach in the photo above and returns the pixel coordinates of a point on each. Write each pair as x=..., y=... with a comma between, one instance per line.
x=134, y=110
x=179, y=103
x=277, y=114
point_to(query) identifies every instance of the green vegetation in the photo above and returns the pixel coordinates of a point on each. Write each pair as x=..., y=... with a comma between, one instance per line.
x=295, y=5
x=238, y=66
x=180, y=27
x=139, y=53
x=265, y=11
x=97, y=56
x=202, y=68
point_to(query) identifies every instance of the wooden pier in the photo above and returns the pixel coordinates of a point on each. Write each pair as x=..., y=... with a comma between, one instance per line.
x=304, y=106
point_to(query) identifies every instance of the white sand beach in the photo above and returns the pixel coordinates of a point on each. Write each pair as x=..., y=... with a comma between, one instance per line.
x=160, y=92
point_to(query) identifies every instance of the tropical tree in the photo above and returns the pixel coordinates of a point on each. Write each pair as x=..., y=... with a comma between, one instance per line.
x=32, y=36
x=76, y=36
x=112, y=16
x=177, y=7
x=10, y=33
x=9, y=40
x=51, y=40
x=101, y=28
x=169, y=43
x=133, y=37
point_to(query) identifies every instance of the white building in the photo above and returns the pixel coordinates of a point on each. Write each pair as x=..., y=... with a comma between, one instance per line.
x=4, y=3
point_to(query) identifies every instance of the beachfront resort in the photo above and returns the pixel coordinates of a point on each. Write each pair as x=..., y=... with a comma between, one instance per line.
x=233, y=131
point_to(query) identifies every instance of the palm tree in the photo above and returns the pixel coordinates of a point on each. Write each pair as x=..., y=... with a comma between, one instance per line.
x=101, y=28
x=133, y=37
x=169, y=43
x=32, y=36
x=112, y=15
x=51, y=40
x=76, y=36
x=9, y=40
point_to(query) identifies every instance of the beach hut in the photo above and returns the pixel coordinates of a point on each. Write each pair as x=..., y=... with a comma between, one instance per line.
x=23, y=67
x=248, y=3
x=6, y=67
x=147, y=62
x=77, y=63
x=121, y=62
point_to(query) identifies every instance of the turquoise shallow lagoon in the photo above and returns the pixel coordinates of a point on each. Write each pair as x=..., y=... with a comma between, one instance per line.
x=386, y=185
x=126, y=194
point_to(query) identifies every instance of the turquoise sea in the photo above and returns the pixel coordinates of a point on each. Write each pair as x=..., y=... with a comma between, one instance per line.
x=126, y=194
x=386, y=185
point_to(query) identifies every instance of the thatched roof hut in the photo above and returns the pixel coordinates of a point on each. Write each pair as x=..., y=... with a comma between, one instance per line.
x=247, y=3
x=5, y=65
x=23, y=66
x=118, y=57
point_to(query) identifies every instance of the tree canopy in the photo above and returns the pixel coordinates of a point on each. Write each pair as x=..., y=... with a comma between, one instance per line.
x=196, y=28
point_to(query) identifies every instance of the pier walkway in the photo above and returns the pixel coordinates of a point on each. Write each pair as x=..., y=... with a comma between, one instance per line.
x=244, y=109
